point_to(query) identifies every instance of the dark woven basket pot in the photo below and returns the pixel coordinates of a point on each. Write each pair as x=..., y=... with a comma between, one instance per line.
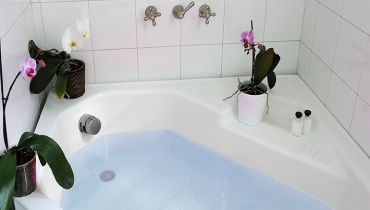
x=76, y=81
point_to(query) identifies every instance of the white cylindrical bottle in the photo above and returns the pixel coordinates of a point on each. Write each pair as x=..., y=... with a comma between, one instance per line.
x=297, y=125
x=307, y=122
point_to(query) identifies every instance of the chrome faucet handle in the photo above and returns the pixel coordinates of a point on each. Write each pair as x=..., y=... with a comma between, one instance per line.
x=178, y=11
x=205, y=12
x=151, y=13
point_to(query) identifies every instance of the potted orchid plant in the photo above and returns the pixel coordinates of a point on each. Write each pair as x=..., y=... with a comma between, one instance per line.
x=70, y=72
x=253, y=94
x=18, y=163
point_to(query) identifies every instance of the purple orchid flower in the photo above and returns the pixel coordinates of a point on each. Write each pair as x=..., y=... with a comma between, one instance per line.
x=247, y=38
x=28, y=67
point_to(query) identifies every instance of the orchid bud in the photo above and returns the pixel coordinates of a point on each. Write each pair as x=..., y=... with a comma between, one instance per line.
x=260, y=46
x=42, y=63
x=41, y=53
x=39, y=50
x=52, y=54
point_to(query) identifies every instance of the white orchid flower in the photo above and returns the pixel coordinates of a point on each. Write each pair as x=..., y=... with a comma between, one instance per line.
x=84, y=28
x=71, y=40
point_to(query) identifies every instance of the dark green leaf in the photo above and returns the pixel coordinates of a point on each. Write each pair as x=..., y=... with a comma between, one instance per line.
x=32, y=49
x=7, y=179
x=67, y=65
x=263, y=66
x=263, y=50
x=25, y=136
x=275, y=62
x=61, y=84
x=54, y=156
x=271, y=79
x=42, y=160
x=44, y=76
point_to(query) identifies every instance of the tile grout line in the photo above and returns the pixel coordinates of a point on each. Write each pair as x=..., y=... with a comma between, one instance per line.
x=91, y=39
x=223, y=37
x=300, y=37
x=43, y=27
x=264, y=28
x=137, y=47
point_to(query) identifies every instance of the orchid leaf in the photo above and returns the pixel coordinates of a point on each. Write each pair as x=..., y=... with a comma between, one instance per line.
x=263, y=66
x=275, y=62
x=7, y=179
x=54, y=156
x=67, y=65
x=25, y=136
x=61, y=84
x=271, y=79
x=42, y=159
x=44, y=76
x=263, y=50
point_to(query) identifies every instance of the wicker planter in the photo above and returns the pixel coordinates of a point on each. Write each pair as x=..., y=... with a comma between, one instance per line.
x=76, y=81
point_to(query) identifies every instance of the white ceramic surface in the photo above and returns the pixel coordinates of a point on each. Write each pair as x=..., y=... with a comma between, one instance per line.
x=237, y=22
x=341, y=101
x=364, y=89
x=282, y=22
x=309, y=22
x=329, y=164
x=88, y=58
x=113, y=24
x=357, y=12
x=319, y=78
x=303, y=62
x=326, y=33
x=350, y=54
x=159, y=63
x=39, y=26
x=334, y=5
x=360, y=128
x=201, y=61
x=235, y=62
x=109, y=66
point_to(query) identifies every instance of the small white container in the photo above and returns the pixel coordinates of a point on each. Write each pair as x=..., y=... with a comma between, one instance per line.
x=251, y=107
x=307, y=122
x=297, y=125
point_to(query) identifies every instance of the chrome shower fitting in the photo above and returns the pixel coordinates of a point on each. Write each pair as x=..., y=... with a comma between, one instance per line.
x=205, y=12
x=89, y=124
x=178, y=11
x=151, y=13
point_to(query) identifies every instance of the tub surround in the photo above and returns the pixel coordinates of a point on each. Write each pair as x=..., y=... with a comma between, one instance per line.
x=327, y=164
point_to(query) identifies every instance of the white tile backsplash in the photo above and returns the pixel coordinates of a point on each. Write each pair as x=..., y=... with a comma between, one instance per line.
x=159, y=63
x=288, y=52
x=357, y=12
x=309, y=21
x=360, y=129
x=236, y=62
x=303, y=62
x=334, y=5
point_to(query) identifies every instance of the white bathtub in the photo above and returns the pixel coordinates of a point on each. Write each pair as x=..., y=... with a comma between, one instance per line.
x=326, y=164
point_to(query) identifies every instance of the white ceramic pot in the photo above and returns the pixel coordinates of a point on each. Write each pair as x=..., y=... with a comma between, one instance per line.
x=251, y=107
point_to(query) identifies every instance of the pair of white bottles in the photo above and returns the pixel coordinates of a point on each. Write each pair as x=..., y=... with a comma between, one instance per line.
x=301, y=126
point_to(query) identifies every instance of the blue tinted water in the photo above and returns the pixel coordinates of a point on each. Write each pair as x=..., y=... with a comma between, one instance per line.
x=162, y=170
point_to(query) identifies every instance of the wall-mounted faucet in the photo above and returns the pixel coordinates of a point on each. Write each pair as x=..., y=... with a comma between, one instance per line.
x=205, y=12
x=178, y=11
x=151, y=13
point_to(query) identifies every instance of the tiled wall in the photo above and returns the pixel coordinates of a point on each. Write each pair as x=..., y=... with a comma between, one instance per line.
x=334, y=61
x=125, y=48
x=16, y=28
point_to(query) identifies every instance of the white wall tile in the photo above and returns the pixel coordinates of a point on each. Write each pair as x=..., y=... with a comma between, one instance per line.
x=334, y=5
x=30, y=24
x=30, y=106
x=326, y=33
x=116, y=66
x=57, y=17
x=284, y=20
x=319, y=78
x=88, y=58
x=159, y=63
x=201, y=61
x=25, y=4
x=303, y=62
x=113, y=24
x=341, y=101
x=16, y=124
x=195, y=31
x=309, y=22
x=12, y=10
x=237, y=22
x=288, y=52
x=39, y=25
x=360, y=129
x=236, y=62
x=364, y=90
x=167, y=30
x=350, y=54
x=357, y=12
x=3, y=26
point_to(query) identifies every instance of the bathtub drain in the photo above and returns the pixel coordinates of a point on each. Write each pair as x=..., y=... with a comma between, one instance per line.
x=107, y=176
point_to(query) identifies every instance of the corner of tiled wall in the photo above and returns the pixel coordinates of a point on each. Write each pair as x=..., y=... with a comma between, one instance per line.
x=334, y=61
x=17, y=26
